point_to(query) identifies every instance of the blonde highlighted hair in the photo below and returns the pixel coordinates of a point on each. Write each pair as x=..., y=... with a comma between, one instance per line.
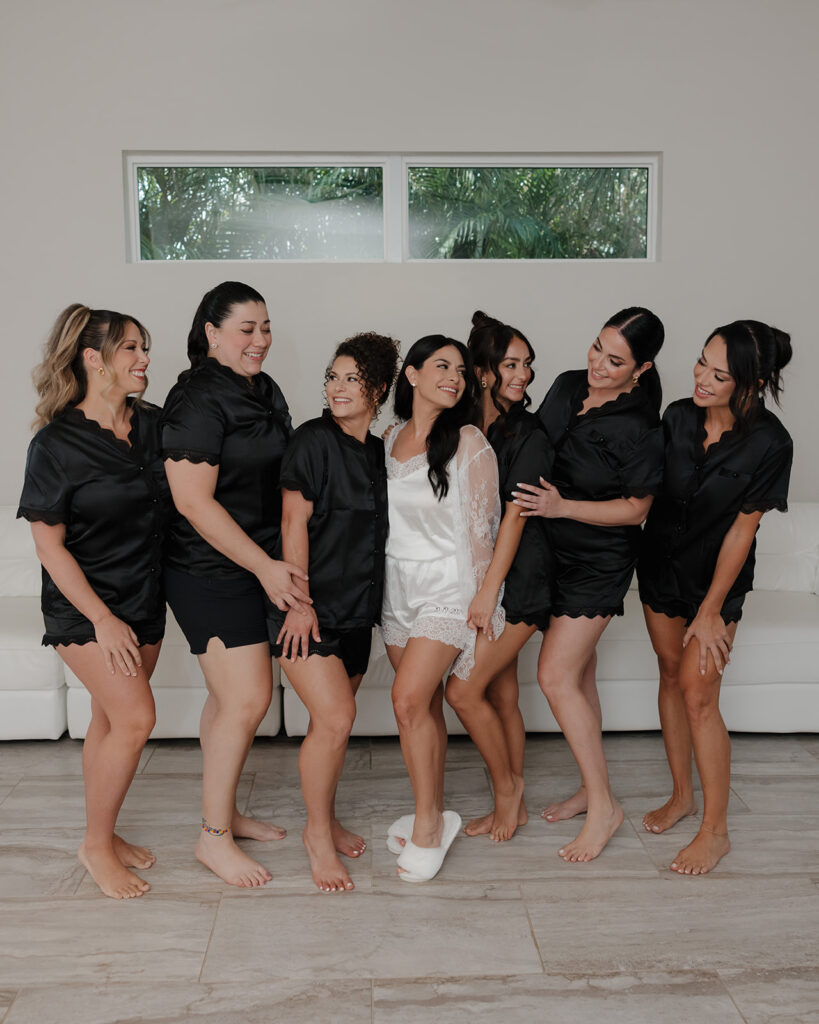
x=61, y=378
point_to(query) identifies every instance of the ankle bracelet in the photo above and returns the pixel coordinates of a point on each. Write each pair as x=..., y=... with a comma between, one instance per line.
x=713, y=831
x=214, y=831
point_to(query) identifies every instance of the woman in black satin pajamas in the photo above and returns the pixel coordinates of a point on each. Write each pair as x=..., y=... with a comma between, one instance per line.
x=96, y=497
x=334, y=525
x=727, y=462
x=604, y=425
x=225, y=429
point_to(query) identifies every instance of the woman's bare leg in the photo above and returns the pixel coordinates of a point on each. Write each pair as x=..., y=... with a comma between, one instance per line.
x=417, y=697
x=712, y=751
x=468, y=698
x=122, y=717
x=567, y=648
x=504, y=696
x=324, y=688
x=240, y=684
x=666, y=638
x=577, y=803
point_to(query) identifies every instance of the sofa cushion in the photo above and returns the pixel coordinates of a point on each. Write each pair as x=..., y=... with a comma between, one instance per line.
x=24, y=663
x=787, y=556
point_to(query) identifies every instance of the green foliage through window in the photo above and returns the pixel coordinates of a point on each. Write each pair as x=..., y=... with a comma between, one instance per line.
x=262, y=213
x=527, y=213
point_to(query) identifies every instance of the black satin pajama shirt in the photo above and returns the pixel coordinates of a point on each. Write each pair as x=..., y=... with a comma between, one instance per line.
x=346, y=480
x=113, y=500
x=702, y=494
x=614, y=451
x=525, y=454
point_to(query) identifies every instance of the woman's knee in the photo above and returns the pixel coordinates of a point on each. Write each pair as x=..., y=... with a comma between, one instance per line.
x=410, y=708
x=701, y=697
x=134, y=727
x=460, y=695
x=334, y=725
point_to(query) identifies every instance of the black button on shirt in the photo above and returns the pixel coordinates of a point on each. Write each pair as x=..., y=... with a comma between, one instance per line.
x=242, y=426
x=114, y=503
x=347, y=483
x=525, y=454
x=702, y=494
x=614, y=451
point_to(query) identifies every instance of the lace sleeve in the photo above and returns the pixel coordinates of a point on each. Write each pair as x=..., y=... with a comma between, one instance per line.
x=480, y=514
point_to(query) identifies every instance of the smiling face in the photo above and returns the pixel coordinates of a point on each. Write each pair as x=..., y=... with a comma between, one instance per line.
x=610, y=362
x=713, y=384
x=345, y=391
x=242, y=340
x=514, y=371
x=130, y=361
x=440, y=379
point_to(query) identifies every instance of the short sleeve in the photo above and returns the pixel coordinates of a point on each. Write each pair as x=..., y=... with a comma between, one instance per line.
x=769, y=484
x=193, y=426
x=46, y=496
x=534, y=459
x=304, y=465
x=641, y=472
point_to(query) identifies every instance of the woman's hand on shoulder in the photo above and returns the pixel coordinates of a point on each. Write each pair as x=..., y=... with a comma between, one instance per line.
x=544, y=501
x=296, y=632
x=281, y=583
x=119, y=645
x=713, y=637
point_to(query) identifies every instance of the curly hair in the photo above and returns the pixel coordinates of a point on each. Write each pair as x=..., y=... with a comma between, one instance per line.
x=376, y=357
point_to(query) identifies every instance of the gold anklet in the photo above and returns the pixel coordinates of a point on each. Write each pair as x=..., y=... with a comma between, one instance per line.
x=214, y=831
x=713, y=831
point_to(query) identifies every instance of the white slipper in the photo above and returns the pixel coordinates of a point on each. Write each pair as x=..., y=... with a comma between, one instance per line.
x=400, y=829
x=421, y=863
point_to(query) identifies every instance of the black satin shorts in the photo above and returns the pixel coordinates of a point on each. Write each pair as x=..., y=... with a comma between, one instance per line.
x=231, y=609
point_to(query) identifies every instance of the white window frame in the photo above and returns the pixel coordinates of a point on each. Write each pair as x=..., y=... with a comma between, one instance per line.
x=395, y=191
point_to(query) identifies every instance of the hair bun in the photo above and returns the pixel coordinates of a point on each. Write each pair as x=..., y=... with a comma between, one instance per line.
x=481, y=319
x=782, y=348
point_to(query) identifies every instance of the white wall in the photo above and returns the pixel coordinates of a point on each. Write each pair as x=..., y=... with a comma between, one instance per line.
x=726, y=90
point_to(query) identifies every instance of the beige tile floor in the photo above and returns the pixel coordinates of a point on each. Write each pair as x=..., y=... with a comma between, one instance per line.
x=506, y=933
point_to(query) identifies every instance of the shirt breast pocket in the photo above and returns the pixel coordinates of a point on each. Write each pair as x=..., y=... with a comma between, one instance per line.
x=732, y=482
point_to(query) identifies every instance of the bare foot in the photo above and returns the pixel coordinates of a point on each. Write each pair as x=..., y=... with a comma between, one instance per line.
x=249, y=828
x=507, y=813
x=328, y=872
x=225, y=859
x=346, y=842
x=480, y=826
x=669, y=814
x=565, y=809
x=131, y=856
x=702, y=854
x=593, y=837
x=110, y=874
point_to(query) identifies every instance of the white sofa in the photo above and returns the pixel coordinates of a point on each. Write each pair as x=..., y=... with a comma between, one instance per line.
x=771, y=685
x=36, y=703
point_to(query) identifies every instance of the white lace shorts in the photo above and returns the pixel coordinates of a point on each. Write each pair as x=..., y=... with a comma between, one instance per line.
x=423, y=599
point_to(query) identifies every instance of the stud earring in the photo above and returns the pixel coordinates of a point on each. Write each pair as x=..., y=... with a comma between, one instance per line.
x=635, y=379
x=214, y=344
x=101, y=371
x=483, y=385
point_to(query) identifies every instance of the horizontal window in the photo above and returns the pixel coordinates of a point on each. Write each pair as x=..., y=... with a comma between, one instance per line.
x=528, y=213
x=392, y=208
x=260, y=213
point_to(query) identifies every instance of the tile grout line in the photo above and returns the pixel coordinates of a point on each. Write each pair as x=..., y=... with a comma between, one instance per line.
x=210, y=939
x=730, y=995
x=532, y=930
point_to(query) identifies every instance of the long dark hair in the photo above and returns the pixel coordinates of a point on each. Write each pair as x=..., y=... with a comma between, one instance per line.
x=214, y=308
x=757, y=354
x=443, y=438
x=645, y=334
x=489, y=341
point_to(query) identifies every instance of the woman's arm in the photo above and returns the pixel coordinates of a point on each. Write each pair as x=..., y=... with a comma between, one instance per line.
x=193, y=486
x=546, y=501
x=708, y=626
x=117, y=641
x=298, y=626
x=506, y=547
